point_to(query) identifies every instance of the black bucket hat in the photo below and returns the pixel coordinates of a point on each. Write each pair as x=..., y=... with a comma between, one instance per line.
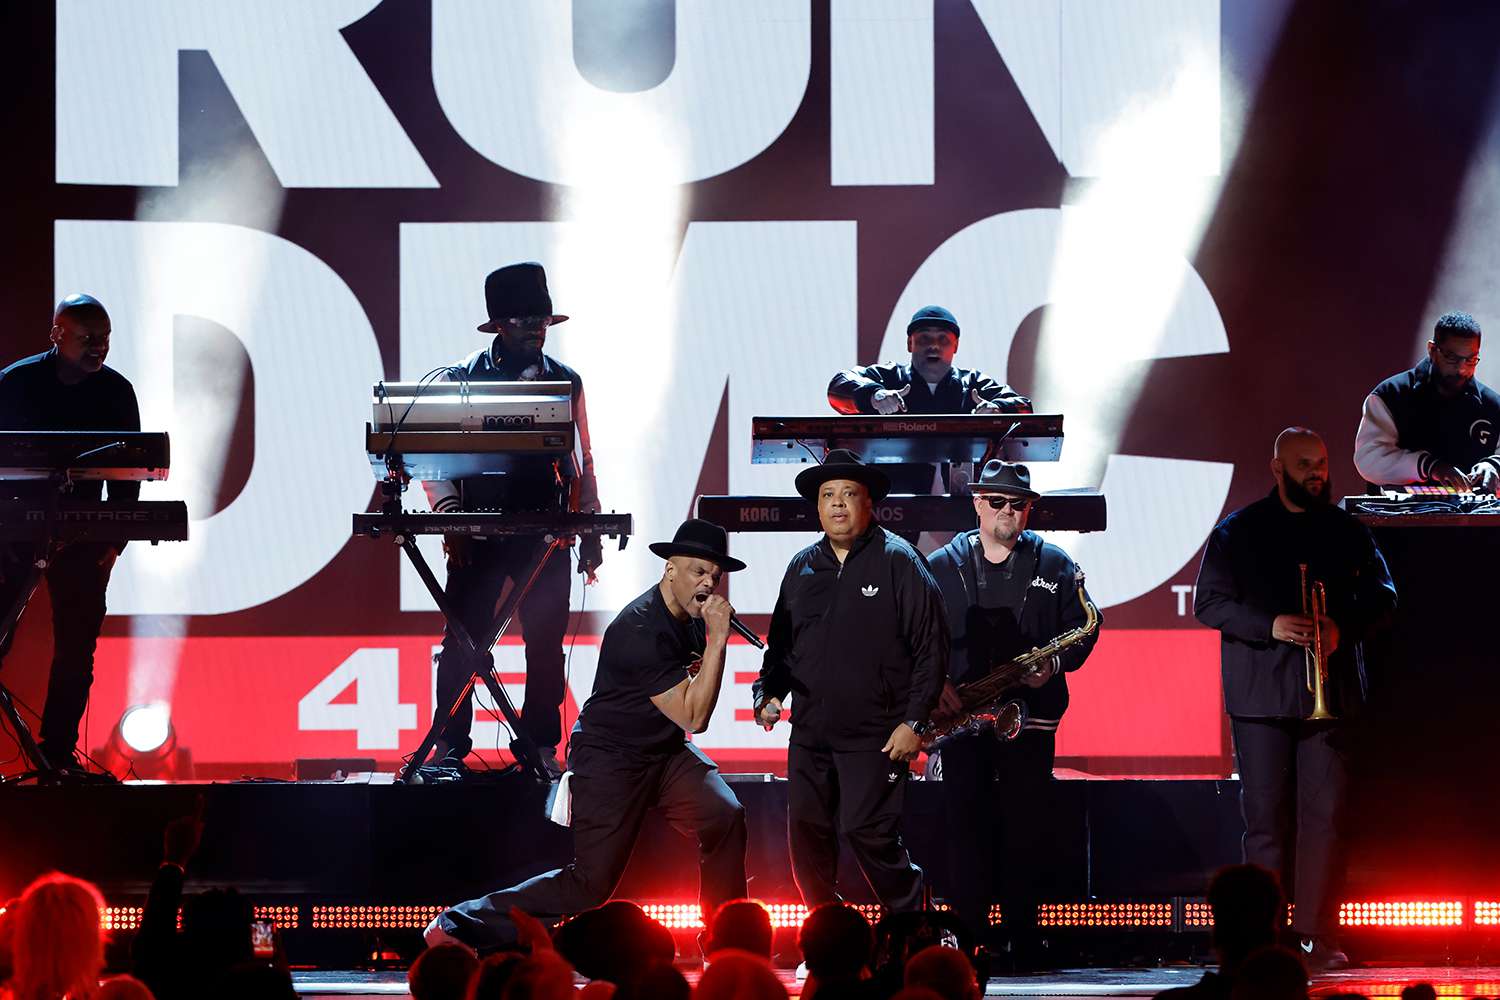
x=517, y=290
x=843, y=464
x=702, y=539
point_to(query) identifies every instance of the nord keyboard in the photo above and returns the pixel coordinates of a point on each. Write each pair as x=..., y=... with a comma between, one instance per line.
x=1064, y=510
x=84, y=455
x=82, y=521
x=454, y=430
x=908, y=437
x=490, y=523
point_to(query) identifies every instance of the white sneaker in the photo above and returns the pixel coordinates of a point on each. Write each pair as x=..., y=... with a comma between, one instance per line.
x=801, y=971
x=434, y=935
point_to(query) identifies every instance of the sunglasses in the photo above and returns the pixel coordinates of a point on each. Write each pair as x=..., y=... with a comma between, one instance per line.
x=1018, y=504
x=528, y=324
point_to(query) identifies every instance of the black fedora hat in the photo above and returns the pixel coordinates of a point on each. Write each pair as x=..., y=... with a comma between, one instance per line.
x=517, y=290
x=702, y=539
x=842, y=463
x=1004, y=477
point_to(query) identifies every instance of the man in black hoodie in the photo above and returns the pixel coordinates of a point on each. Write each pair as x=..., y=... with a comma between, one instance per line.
x=858, y=638
x=1006, y=592
x=1293, y=771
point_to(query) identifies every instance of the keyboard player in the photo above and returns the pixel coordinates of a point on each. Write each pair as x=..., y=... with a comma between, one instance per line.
x=68, y=387
x=928, y=384
x=520, y=314
x=1435, y=423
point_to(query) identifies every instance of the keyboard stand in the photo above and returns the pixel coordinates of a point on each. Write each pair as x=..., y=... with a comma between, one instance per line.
x=482, y=653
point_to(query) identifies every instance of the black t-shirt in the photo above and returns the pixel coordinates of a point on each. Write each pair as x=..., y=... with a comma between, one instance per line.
x=645, y=652
x=33, y=398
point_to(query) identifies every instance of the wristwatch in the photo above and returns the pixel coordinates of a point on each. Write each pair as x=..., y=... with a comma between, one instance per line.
x=917, y=727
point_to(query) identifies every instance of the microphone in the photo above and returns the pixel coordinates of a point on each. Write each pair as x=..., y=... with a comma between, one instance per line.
x=745, y=632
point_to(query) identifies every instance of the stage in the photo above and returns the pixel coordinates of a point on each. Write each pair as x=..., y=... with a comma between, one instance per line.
x=1449, y=981
x=350, y=871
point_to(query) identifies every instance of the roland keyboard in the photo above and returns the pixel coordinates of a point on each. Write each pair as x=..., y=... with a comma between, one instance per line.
x=84, y=521
x=1064, y=510
x=490, y=524
x=908, y=437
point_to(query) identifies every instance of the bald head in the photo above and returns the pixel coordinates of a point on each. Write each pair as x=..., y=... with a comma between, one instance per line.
x=84, y=308
x=80, y=335
x=1300, y=465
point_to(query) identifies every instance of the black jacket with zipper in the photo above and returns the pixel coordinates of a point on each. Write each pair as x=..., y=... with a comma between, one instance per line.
x=1050, y=608
x=860, y=646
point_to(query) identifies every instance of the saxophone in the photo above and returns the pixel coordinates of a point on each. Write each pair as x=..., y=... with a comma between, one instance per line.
x=985, y=706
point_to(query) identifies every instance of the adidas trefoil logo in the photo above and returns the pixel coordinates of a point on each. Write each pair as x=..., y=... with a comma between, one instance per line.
x=869, y=591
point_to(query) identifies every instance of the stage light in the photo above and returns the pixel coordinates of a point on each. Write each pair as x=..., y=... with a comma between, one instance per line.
x=1105, y=915
x=145, y=728
x=1486, y=913
x=1402, y=913
x=143, y=744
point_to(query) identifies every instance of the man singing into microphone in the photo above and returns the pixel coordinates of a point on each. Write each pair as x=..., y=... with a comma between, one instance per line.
x=661, y=663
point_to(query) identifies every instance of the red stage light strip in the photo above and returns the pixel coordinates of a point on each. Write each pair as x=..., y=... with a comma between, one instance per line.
x=128, y=918
x=1402, y=913
x=373, y=917
x=1486, y=913
x=1105, y=915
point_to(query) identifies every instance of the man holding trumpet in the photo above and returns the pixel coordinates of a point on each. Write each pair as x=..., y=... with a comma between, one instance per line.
x=1266, y=569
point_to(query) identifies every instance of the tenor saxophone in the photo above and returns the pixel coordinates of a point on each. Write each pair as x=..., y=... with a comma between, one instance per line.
x=985, y=705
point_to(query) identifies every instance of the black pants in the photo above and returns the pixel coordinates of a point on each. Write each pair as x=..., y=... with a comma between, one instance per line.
x=991, y=787
x=611, y=793
x=858, y=793
x=1293, y=783
x=474, y=590
x=76, y=584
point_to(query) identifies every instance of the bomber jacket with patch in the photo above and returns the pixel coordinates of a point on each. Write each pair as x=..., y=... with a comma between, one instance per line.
x=860, y=646
x=1049, y=606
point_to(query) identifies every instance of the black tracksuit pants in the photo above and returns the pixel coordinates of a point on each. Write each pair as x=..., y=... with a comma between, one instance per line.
x=858, y=793
x=474, y=590
x=992, y=788
x=76, y=584
x=611, y=792
x=1293, y=785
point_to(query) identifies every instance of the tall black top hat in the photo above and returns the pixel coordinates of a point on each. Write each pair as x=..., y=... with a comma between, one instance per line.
x=843, y=464
x=517, y=290
x=702, y=539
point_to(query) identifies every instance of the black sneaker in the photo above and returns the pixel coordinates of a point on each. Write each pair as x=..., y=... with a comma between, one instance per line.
x=1321, y=954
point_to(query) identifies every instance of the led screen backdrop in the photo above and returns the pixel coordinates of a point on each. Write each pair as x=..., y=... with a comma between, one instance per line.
x=1184, y=224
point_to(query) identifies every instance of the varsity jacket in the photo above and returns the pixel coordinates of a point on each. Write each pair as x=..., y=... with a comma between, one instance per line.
x=1049, y=607
x=860, y=646
x=1406, y=426
x=529, y=483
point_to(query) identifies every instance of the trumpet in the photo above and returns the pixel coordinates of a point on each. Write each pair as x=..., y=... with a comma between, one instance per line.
x=1315, y=604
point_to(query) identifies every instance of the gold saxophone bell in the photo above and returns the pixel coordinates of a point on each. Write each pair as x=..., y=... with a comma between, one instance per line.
x=1315, y=604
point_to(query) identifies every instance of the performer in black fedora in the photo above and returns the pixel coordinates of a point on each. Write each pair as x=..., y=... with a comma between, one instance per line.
x=1259, y=562
x=68, y=388
x=1006, y=592
x=520, y=311
x=929, y=384
x=859, y=642
x=661, y=663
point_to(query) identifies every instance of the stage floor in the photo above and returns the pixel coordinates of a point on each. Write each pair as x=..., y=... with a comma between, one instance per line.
x=1450, y=981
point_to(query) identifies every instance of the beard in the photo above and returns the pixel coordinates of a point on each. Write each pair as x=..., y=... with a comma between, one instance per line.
x=1302, y=497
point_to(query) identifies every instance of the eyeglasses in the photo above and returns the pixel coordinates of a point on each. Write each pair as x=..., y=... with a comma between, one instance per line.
x=528, y=324
x=1462, y=360
x=1018, y=504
